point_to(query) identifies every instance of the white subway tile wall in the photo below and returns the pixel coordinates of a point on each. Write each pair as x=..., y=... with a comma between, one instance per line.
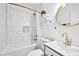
x=12, y=21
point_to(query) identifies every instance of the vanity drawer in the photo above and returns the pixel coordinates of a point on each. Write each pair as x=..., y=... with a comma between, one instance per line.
x=50, y=52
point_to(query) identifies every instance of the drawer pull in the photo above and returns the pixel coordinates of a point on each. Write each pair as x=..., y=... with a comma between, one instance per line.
x=51, y=55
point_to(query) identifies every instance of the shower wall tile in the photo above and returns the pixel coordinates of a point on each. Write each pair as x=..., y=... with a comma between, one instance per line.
x=2, y=25
x=26, y=40
x=2, y=20
x=2, y=28
x=17, y=18
x=17, y=39
x=2, y=13
x=12, y=28
x=11, y=35
x=2, y=37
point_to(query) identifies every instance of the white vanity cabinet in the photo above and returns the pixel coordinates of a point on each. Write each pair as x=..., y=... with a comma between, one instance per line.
x=57, y=48
x=50, y=52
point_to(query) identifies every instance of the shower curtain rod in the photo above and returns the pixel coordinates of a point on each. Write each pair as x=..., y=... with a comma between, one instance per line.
x=24, y=7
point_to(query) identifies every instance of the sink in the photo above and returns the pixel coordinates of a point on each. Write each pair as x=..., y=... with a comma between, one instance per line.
x=63, y=49
x=69, y=49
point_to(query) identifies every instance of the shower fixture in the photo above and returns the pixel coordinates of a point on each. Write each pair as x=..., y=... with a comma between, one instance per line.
x=43, y=12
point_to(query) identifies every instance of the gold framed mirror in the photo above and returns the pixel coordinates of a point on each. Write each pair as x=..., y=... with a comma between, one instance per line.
x=68, y=14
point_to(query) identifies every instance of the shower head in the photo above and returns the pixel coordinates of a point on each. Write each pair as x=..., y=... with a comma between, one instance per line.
x=43, y=12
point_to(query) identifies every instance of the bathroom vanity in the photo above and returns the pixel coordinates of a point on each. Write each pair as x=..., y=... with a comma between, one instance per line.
x=57, y=48
x=48, y=51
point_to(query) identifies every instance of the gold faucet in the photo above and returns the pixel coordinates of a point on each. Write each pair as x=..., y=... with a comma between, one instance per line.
x=67, y=40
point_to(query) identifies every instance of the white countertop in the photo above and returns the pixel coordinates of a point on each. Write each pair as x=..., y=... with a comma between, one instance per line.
x=56, y=47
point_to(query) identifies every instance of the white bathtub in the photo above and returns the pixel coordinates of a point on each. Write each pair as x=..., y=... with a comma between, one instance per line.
x=22, y=51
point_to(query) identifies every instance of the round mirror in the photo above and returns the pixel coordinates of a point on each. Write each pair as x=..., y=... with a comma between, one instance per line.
x=68, y=14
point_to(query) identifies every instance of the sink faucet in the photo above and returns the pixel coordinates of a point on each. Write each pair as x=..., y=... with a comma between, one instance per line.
x=67, y=40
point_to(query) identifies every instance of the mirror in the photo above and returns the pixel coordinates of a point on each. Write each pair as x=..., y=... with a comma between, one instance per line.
x=68, y=14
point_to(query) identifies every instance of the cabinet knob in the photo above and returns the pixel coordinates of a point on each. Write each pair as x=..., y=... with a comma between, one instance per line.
x=51, y=55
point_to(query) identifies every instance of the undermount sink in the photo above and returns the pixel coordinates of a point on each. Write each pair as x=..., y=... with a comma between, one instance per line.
x=63, y=49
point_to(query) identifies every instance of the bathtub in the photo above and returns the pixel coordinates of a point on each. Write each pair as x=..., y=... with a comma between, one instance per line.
x=22, y=51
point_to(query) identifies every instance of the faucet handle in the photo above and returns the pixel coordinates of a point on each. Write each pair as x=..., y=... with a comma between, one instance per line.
x=64, y=34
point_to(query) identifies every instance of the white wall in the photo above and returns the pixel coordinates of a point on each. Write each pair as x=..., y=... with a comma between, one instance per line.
x=2, y=25
x=52, y=33
x=11, y=29
x=17, y=18
x=38, y=23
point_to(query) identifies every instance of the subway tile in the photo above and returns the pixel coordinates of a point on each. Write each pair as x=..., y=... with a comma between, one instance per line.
x=2, y=28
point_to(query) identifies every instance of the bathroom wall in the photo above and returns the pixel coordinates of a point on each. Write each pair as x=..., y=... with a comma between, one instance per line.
x=2, y=25
x=38, y=25
x=52, y=33
x=17, y=18
x=17, y=26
